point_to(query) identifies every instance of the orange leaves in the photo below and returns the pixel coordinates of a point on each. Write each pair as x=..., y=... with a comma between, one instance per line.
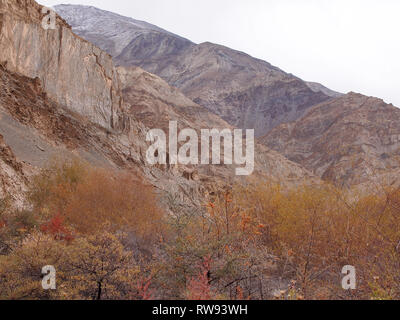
x=290, y=253
x=245, y=221
x=228, y=220
x=239, y=293
x=228, y=250
x=89, y=198
x=228, y=197
x=118, y=199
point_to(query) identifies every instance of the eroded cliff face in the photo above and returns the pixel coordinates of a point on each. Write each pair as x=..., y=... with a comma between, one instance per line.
x=74, y=72
x=348, y=140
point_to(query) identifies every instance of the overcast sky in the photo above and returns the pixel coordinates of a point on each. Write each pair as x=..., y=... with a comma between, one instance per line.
x=347, y=45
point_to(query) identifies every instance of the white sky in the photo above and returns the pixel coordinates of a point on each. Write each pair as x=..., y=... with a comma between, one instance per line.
x=347, y=45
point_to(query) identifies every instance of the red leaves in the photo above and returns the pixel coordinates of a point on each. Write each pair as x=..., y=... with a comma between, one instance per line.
x=143, y=288
x=199, y=288
x=57, y=228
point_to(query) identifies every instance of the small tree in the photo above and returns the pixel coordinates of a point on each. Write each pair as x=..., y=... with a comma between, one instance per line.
x=101, y=268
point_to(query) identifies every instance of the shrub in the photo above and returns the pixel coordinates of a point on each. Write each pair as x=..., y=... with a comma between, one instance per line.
x=87, y=198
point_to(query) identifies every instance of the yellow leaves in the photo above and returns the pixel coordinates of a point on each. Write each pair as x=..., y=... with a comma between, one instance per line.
x=80, y=267
x=23, y=266
x=306, y=233
x=315, y=227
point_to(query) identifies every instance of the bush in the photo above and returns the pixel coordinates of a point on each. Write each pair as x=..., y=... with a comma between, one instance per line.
x=87, y=198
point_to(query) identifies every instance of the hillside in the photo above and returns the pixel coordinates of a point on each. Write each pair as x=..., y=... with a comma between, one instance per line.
x=244, y=91
x=348, y=140
x=89, y=108
x=85, y=215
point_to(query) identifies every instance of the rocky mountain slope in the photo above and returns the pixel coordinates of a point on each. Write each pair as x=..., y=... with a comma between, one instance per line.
x=348, y=140
x=61, y=95
x=244, y=91
x=130, y=42
x=343, y=139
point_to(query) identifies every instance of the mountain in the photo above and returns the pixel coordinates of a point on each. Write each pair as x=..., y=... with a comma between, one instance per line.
x=244, y=91
x=133, y=42
x=348, y=140
x=60, y=95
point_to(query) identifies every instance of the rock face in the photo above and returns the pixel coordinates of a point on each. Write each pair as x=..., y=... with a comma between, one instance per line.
x=74, y=72
x=154, y=103
x=244, y=91
x=61, y=95
x=348, y=140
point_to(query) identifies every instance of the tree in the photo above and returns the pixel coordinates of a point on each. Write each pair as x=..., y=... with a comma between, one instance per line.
x=21, y=270
x=101, y=268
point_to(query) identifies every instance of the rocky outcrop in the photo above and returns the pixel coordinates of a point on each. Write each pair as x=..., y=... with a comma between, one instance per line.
x=74, y=72
x=12, y=179
x=349, y=140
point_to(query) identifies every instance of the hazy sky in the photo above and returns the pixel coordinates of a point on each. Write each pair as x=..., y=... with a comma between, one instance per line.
x=347, y=45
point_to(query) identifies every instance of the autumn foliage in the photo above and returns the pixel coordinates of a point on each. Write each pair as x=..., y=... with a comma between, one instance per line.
x=109, y=238
x=88, y=198
x=199, y=287
x=56, y=227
